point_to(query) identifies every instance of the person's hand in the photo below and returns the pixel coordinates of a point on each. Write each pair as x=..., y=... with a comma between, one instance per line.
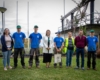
x=59, y=49
x=48, y=48
x=9, y=48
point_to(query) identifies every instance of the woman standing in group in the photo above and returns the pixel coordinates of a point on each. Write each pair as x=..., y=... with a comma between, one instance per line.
x=7, y=45
x=47, y=48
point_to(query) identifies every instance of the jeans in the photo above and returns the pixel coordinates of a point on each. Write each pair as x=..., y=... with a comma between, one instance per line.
x=6, y=58
x=78, y=52
x=93, y=55
x=69, y=57
x=21, y=52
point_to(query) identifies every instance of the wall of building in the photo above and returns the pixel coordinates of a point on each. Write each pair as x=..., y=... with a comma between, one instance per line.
x=96, y=28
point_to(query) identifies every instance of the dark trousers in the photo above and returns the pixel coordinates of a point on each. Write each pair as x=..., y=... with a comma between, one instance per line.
x=55, y=52
x=21, y=52
x=78, y=52
x=93, y=55
x=34, y=52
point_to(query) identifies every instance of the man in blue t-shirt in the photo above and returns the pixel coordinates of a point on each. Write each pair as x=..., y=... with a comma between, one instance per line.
x=92, y=42
x=58, y=43
x=19, y=38
x=35, y=39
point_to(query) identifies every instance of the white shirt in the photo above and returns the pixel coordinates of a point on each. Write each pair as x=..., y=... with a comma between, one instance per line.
x=45, y=44
x=8, y=41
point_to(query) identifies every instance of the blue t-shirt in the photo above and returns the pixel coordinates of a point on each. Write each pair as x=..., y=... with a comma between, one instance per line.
x=91, y=43
x=18, y=39
x=35, y=39
x=58, y=41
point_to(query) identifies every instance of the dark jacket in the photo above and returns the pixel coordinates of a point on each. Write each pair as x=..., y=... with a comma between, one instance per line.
x=3, y=42
x=80, y=42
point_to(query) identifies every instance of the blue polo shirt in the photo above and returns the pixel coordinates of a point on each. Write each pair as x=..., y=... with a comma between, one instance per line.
x=91, y=43
x=18, y=39
x=35, y=39
x=58, y=41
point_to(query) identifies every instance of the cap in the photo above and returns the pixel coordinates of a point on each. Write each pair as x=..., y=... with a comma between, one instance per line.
x=92, y=31
x=58, y=32
x=35, y=26
x=18, y=26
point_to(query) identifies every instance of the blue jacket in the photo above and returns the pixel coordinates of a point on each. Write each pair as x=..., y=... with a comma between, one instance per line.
x=3, y=42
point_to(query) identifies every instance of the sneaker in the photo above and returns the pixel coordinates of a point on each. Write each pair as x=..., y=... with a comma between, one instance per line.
x=14, y=67
x=55, y=66
x=29, y=67
x=60, y=66
x=23, y=67
x=49, y=67
x=9, y=67
x=95, y=69
x=88, y=68
x=82, y=68
x=5, y=69
x=37, y=66
x=67, y=66
x=76, y=68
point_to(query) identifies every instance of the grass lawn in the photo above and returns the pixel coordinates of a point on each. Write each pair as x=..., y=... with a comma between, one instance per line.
x=49, y=73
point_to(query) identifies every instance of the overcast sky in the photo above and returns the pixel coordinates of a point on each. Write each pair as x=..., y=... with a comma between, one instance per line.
x=44, y=13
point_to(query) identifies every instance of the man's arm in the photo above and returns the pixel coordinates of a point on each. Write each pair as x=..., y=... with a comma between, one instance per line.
x=75, y=41
x=24, y=40
x=85, y=41
x=30, y=42
x=97, y=44
x=55, y=45
x=62, y=45
x=40, y=37
x=24, y=36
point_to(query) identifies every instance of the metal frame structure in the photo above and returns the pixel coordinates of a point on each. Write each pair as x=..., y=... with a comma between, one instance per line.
x=83, y=3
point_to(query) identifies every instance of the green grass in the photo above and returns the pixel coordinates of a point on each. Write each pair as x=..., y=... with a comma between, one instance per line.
x=49, y=73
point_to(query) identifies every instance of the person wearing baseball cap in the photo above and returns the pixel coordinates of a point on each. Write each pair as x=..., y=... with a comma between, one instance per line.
x=19, y=38
x=35, y=26
x=58, y=32
x=58, y=44
x=92, y=42
x=18, y=27
x=35, y=39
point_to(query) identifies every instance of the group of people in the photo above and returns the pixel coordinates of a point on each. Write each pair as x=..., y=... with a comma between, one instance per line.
x=50, y=45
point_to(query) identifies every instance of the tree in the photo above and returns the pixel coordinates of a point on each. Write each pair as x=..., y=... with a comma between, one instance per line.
x=80, y=14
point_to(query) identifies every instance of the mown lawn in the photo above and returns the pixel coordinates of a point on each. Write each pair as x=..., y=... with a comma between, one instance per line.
x=49, y=73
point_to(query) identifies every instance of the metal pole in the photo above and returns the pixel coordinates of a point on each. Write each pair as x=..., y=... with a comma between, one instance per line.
x=2, y=23
x=72, y=27
x=62, y=24
x=64, y=7
x=3, y=15
x=72, y=20
x=28, y=18
x=16, y=13
x=63, y=21
x=28, y=23
x=92, y=12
